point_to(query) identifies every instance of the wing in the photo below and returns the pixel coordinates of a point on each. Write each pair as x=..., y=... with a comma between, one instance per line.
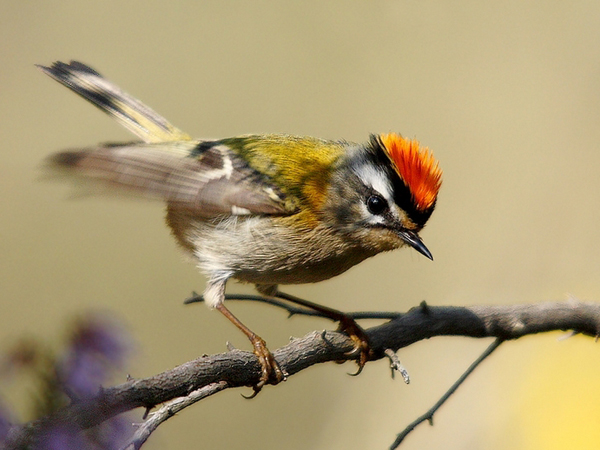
x=205, y=177
x=129, y=112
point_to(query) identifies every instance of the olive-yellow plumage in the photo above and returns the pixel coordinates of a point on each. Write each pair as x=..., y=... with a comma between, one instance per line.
x=284, y=160
x=265, y=209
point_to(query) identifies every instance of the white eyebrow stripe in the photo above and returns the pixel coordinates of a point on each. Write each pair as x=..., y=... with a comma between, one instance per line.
x=377, y=179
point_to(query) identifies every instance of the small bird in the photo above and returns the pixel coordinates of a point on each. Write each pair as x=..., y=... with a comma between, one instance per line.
x=267, y=209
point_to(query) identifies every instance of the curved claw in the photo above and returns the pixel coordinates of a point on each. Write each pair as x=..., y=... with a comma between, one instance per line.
x=365, y=352
x=361, y=342
x=347, y=325
x=254, y=394
x=270, y=370
x=358, y=371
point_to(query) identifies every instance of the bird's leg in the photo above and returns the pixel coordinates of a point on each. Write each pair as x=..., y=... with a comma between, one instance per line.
x=270, y=369
x=271, y=372
x=347, y=325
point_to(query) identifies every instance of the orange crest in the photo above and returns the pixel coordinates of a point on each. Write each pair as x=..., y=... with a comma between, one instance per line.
x=416, y=166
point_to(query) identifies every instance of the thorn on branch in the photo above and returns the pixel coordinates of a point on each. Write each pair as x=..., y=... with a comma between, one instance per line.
x=421, y=322
x=324, y=338
x=428, y=416
x=568, y=335
x=396, y=365
x=194, y=298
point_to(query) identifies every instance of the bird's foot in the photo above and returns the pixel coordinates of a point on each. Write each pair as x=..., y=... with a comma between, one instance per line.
x=271, y=373
x=361, y=341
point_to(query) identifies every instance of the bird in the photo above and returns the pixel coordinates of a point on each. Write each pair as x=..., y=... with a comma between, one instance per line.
x=266, y=209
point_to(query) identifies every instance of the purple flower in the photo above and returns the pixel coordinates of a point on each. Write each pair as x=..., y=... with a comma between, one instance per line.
x=103, y=337
x=62, y=437
x=4, y=424
x=110, y=435
x=97, y=347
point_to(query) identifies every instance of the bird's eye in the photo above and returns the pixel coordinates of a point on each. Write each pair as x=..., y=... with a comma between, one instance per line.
x=376, y=204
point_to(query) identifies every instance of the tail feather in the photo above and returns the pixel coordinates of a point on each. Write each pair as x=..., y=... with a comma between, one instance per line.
x=130, y=112
x=148, y=170
x=208, y=185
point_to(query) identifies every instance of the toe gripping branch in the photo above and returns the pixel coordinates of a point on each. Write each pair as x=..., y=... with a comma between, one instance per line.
x=271, y=373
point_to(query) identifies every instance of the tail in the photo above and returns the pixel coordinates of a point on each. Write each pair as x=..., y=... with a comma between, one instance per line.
x=130, y=112
x=213, y=183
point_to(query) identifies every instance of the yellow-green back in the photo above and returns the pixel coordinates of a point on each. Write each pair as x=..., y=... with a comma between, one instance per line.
x=300, y=166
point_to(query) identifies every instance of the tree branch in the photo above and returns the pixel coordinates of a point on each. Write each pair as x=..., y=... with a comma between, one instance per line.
x=428, y=416
x=238, y=368
x=168, y=410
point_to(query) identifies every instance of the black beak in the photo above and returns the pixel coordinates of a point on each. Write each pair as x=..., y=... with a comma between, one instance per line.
x=413, y=239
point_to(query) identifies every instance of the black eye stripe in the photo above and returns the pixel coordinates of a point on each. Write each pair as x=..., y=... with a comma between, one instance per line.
x=402, y=196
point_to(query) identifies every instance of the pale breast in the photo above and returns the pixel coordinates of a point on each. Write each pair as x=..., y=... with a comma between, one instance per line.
x=264, y=249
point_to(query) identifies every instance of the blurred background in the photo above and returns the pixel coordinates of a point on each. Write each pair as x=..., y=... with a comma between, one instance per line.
x=506, y=94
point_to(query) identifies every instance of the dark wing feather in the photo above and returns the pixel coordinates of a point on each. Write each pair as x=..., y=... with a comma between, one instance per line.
x=212, y=182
